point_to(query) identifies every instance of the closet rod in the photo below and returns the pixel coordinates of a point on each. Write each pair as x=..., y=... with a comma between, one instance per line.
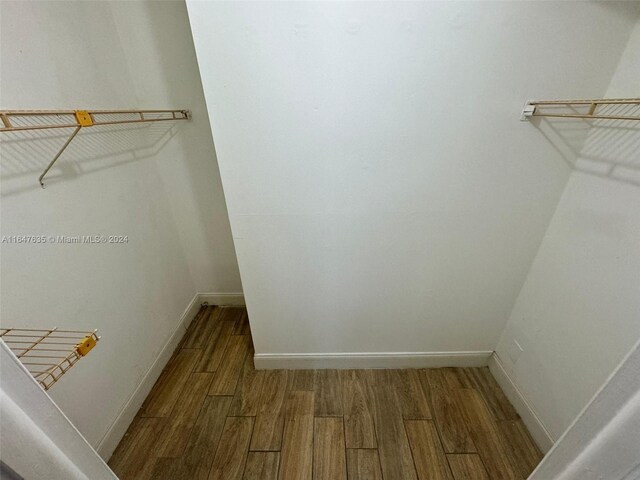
x=80, y=119
x=572, y=109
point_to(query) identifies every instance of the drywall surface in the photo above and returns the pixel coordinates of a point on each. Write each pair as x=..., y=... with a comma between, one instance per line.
x=157, y=185
x=383, y=194
x=602, y=443
x=578, y=313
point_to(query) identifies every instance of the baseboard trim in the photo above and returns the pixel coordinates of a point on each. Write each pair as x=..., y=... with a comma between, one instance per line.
x=222, y=299
x=300, y=361
x=191, y=311
x=536, y=427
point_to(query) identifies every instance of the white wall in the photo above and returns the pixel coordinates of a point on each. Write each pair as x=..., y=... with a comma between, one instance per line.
x=383, y=195
x=602, y=443
x=38, y=441
x=578, y=313
x=159, y=186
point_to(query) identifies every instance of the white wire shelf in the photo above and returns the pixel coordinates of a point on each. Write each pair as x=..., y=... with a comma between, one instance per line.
x=27, y=120
x=595, y=109
x=48, y=354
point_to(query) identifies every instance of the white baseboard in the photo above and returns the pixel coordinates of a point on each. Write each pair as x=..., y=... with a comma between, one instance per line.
x=536, y=427
x=110, y=440
x=298, y=361
x=222, y=299
x=191, y=311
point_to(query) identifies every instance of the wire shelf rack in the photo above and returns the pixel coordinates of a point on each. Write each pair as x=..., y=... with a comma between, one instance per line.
x=48, y=354
x=596, y=109
x=25, y=120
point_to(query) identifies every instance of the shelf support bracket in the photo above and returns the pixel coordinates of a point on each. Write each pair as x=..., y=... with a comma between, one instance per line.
x=527, y=111
x=55, y=159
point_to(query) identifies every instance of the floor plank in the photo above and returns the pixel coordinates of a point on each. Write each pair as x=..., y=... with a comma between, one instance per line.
x=379, y=377
x=267, y=434
x=396, y=461
x=497, y=402
x=296, y=458
x=329, y=451
x=358, y=420
x=131, y=460
x=241, y=325
x=226, y=377
x=414, y=399
x=167, y=389
x=428, y=455
x=198, y=336
x=247, y=398
x=192, y=326
x=168, y=468
x=368, y=375
x=525, y=454
x=206, y=433
x=446, y=378
x=195, y=326
x=117, y=460
x=213, y=351
x=363, y=464
x=262, y=466
x=467, y=466
x=183, y=416
x=486, y=436
x=231, y=455
x=232, y=314
x=328, y=396
x=303, y=380
x=451, y=424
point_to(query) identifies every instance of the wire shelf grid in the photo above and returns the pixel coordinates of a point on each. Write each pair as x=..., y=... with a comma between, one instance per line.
x=48, y=354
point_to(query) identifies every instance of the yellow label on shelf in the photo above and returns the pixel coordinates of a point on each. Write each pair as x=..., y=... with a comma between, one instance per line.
x=83, y=118
x=85, y=345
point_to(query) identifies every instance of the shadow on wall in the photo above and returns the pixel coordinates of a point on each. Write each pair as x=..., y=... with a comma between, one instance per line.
x=26, y=154
x=608, y=149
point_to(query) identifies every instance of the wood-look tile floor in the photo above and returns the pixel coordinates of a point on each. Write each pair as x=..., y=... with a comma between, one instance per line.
x=211, y=415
